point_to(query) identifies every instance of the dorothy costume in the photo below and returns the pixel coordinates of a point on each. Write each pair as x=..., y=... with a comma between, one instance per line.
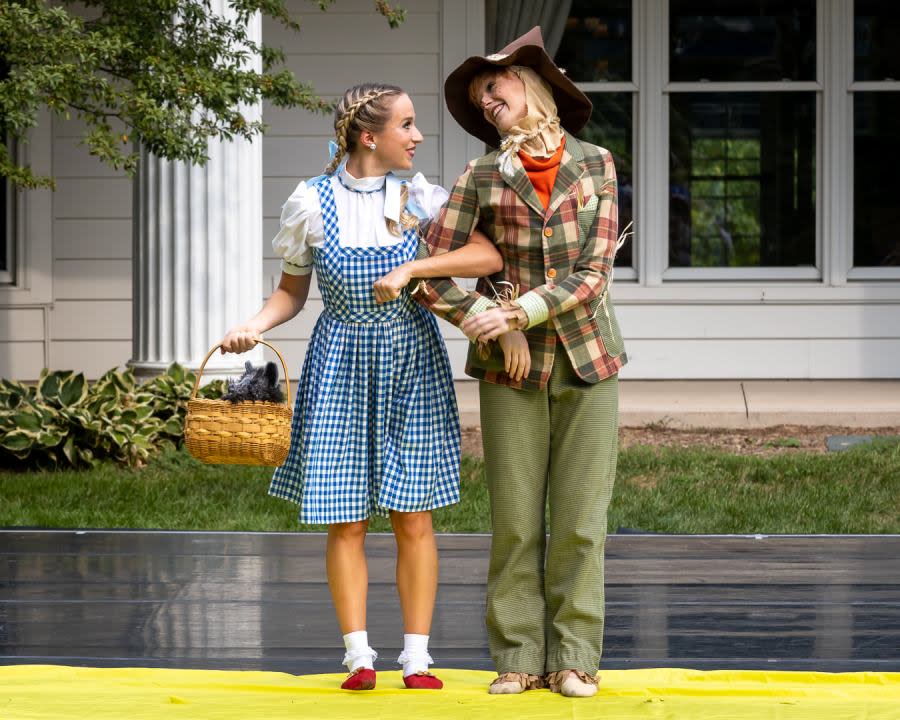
x=375, y=425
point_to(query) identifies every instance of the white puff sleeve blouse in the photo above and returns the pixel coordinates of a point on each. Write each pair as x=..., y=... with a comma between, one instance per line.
x=360, y=209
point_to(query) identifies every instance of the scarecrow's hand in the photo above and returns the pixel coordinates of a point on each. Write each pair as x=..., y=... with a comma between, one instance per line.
x=495, y=322
x=516, y=355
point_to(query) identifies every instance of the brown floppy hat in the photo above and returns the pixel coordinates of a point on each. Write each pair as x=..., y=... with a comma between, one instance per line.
x=572, y=105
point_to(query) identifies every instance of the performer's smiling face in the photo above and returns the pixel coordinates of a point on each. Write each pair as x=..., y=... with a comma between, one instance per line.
x=500, y=95
x=396, y=142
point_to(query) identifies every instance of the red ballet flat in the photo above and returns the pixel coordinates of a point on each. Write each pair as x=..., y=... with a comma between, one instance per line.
x=422, y=681
x=360, y=679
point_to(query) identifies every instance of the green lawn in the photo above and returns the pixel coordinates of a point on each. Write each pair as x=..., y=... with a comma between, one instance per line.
x=669, y=490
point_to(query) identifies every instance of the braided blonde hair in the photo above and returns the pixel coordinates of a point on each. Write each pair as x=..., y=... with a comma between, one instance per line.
x=367, y=107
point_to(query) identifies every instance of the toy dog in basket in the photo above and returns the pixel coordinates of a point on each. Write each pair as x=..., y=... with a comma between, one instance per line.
x=250, y=425
x=257, y=383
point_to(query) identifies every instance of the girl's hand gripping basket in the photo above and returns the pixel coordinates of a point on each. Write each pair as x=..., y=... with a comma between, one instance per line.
x=238, y=433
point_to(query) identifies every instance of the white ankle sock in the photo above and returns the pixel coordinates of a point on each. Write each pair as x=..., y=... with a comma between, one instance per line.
x=415, y=657
x=359, y=654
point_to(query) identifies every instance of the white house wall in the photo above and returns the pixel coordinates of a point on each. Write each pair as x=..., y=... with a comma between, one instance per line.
x=90, y=319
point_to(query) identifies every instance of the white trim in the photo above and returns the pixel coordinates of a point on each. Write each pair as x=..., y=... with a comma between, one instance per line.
x=33, y=278
x=875, y=86
x=836, y=196
x=744, y=292
x=711, y=87
x=604, y=86
x=701, y=274
x=873, y=273
x=652, y=161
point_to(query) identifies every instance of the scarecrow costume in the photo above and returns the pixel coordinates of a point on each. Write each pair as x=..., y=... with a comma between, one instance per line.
x=548, y=201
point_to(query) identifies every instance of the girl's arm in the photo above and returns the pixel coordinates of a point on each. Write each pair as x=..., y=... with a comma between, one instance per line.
x=477, y=258
x=283, y=304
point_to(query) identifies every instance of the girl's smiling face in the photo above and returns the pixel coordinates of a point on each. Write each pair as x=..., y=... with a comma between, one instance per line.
x=395, y=143
x=501, y=96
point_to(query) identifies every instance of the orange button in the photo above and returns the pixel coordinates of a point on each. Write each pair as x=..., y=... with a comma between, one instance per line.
x=548, y=232
x=551, y=273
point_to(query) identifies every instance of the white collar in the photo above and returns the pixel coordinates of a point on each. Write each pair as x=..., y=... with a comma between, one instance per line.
x=390, y=182
x=365, y=184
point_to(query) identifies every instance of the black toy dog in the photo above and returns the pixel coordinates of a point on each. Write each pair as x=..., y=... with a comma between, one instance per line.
x=257, y=383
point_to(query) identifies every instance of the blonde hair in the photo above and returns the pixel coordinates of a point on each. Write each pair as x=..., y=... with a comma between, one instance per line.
x=367, y=107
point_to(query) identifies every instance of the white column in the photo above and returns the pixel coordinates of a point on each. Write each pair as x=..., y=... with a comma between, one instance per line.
x=198, y=251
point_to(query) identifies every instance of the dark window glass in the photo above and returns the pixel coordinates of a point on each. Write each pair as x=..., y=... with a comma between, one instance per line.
x=610, y=127
x=876, y=46
x=596, y=44
x=742, y=40
x=742, y=180
x=876, y=185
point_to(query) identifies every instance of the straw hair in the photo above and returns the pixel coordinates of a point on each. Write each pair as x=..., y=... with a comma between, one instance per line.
x=367, y=107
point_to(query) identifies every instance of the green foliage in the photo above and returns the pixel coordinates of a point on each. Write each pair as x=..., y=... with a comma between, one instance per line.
x=170, y=74
x=61, y=422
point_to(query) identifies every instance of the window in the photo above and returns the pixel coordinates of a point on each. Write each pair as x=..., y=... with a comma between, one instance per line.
x=596, y=51
x=742, y=40
x=742, y=178
x=742, y=153
x=876, y=135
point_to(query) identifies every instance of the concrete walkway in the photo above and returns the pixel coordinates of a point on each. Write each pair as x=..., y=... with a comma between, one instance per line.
x=736, y=403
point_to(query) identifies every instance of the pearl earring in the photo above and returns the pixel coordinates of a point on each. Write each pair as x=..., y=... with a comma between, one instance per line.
x=371, y=146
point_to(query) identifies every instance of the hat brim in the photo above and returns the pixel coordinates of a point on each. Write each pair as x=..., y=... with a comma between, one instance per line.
x=573, y=106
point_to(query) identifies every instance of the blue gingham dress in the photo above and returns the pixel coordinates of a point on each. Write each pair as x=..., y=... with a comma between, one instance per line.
x=375, y=424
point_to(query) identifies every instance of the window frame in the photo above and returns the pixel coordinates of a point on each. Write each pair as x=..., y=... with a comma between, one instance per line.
x=658, y=263
x=851, y=273
x=627, y=274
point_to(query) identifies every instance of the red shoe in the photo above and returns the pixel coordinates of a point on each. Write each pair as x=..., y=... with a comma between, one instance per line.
x=422, y=681
x=360, y=679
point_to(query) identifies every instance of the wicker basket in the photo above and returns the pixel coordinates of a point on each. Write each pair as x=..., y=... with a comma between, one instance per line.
x=243, y=433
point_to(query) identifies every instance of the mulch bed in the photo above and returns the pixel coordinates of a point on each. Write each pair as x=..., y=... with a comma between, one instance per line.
x=777, y=440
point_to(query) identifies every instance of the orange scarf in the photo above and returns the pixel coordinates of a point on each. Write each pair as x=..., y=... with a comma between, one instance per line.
x=542, y=172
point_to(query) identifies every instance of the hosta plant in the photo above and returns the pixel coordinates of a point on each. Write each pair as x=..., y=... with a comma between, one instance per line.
x=62, y=421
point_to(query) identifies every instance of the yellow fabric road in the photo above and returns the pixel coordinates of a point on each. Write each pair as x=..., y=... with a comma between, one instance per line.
x=52, y=691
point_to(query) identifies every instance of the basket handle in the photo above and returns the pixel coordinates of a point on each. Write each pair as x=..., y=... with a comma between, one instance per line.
x=287, y=380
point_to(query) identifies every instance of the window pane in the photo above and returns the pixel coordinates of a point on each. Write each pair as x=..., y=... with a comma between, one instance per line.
x=876, y=187
x=742, y=40
x=876, y=30
x=611, y=127
x=742, y=191
x=596, y=44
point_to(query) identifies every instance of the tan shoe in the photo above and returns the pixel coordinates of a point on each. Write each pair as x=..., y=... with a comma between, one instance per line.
x=572, y=683
x=513, y=683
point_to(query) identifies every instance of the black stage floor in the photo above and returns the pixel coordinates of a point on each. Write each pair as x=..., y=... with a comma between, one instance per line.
x=260, y=601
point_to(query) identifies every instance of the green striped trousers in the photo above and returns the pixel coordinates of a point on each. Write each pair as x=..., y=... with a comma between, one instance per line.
x=556, y=446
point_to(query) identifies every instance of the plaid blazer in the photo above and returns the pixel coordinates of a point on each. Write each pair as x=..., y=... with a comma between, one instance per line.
x=560, y=257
